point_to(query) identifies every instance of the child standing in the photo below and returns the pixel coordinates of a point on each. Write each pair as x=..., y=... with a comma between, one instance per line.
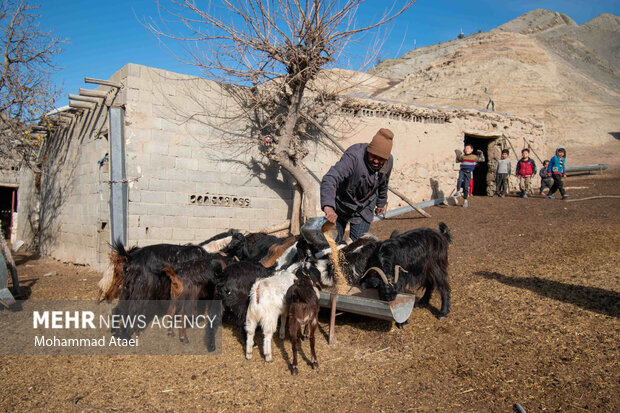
x=526, y=168
x=545, y=178
x=468, y=162
x=502, y=171
x=557, y=169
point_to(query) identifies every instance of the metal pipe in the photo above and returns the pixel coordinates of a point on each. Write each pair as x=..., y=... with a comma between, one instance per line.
x=118, y=176
x=58, y=110
x=587, y=168
x=103, y=82
x=93, y=93
x=403, y=210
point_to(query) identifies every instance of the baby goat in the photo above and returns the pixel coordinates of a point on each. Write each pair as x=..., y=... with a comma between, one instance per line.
x=267, y=302
x=303, y=311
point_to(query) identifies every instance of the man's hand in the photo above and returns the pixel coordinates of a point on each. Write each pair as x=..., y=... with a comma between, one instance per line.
x=379, y=210
x=330, y=214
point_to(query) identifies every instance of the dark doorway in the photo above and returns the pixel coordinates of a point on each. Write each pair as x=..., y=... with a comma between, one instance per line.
x=482, y=169
x=8, y=205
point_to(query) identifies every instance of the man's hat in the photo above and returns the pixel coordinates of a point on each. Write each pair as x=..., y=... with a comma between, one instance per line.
x=381, y=144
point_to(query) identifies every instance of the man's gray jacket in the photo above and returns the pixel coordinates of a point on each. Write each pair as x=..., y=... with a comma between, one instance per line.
x=352, y=188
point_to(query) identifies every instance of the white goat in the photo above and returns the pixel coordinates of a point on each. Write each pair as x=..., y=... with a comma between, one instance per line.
x=266, y=304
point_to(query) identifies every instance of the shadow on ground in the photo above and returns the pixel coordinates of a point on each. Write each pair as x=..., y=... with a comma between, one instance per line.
x=589, y=298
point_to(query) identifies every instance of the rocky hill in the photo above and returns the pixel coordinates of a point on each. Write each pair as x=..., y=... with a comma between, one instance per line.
x=540, y=65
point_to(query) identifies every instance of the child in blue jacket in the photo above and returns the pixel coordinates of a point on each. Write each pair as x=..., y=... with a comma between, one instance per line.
x=557, y=170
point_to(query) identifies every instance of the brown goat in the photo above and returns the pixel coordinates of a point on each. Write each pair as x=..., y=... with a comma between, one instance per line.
x=112, y=280
x=303, y=311
x=191, y=281
x=276, y=251
x=176, y=290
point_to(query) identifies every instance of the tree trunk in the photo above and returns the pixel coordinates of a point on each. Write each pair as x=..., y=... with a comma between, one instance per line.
x=309, y=204
x=8, y=257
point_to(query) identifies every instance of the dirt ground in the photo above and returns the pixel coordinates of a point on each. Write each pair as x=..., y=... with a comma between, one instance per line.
x=535, y=320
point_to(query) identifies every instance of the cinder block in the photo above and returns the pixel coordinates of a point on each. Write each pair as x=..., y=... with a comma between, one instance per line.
x=158, y=161
x=203, y=211
x=150, y=221
x=178, y=174
x=241, y=224
x=181, y=151
x=160, y=233
x=153, y=197
x=183, y=234
x=225, y=212
x=137, y=208
x=174, y=198
x=186, y=163
x=159, y=209
x=135, y=234
x=199, y=222
x=175, y=221
x=208, y=167
x=220, y=223
x=156, y=148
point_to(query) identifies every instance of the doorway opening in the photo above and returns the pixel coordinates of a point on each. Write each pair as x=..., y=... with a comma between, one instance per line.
x=8, y=207
x=481, y=175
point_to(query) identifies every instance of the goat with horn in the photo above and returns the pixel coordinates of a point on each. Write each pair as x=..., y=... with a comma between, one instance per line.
x=414, y=259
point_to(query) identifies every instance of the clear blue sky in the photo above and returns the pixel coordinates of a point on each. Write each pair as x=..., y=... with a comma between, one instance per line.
x=103, y=36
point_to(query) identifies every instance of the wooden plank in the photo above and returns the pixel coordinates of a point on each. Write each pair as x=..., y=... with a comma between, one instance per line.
x=93, y=93
x=103, y=82
x=333, y=298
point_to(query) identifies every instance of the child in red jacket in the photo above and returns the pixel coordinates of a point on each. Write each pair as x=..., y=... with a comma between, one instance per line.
x=526, y=168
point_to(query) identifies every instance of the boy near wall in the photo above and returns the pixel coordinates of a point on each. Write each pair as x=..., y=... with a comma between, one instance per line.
x=502, y=172
x=468, y=161
x=526, y=168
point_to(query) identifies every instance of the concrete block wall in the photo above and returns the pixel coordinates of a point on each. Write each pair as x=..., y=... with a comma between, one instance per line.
x=74, y=213
x=172, y=154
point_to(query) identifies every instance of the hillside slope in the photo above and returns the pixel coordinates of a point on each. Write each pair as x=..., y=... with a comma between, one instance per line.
x=540, y=65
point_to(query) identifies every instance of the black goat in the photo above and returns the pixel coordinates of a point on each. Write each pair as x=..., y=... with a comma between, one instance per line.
x=234, y=285
x=143, y=276
x=416, y=258
x=251, y=247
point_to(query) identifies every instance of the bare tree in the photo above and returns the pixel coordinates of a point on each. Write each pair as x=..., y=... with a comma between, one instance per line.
x=26, y=89
x=274, y=52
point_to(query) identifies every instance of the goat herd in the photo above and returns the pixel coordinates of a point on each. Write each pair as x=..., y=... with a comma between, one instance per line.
x=260, y=277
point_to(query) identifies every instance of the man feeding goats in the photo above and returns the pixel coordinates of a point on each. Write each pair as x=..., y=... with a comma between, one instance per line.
x=357, y=185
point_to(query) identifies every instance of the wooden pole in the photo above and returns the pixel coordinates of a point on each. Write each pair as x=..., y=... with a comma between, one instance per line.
x=93, y=93
x=333, y=298
x=10, y=263
x=85, y=99
x=276, y=228
x=103, y=82
x=410, y=202
x=82, y=105
x=295, y=214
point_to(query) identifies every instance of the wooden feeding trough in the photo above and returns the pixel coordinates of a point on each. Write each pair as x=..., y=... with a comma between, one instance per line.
x=366, y=303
